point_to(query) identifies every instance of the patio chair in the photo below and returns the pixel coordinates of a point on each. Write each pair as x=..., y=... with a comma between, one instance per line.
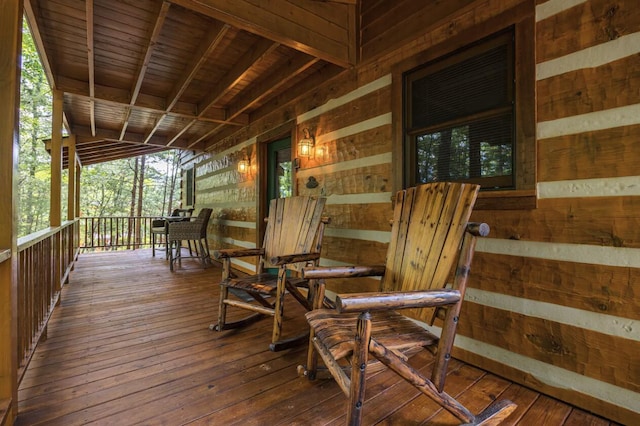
x=194, y=231
x=292, y=240
x=365, y=332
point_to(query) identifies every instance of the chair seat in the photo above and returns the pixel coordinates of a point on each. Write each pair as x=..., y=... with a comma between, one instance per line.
x=396, y=332
x=264, y=284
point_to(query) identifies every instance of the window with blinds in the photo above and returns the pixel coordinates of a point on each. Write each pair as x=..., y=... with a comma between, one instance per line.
x=459, y=116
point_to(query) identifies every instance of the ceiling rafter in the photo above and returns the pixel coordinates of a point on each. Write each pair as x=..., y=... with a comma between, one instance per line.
x=144, y=64
x=212, y=40
x=215, y=115
x=257, y=53
x=133, y=72
x=91, y=64
x=275, y=23
x=261, y=90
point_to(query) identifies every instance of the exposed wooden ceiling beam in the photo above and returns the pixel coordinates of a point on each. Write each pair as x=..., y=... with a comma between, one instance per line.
x=150, y=104
x=135, y=138
x=207, y=46
x=272, y=83
x=266, y=87
x=285, y=22
x=258, y=52
x=144, y=64
x=213, y=39
x=34, y=27
x=91, y=64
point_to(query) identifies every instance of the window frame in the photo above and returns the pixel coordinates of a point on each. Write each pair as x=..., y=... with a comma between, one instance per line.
x=522, y=19
x=189, y=187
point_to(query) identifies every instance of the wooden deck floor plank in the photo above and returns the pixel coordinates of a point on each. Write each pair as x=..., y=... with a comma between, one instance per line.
x=130, y=343
x=376, y=382
x=139, y=390
x=582, y=418
x=525, y=399
x=45, y=373
x=546, y=411
x=209, y=394
x=476, y=398
x=139, y=360
x=420, y=408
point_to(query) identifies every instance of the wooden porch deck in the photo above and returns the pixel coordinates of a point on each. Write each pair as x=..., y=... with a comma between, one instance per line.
x=130, y=344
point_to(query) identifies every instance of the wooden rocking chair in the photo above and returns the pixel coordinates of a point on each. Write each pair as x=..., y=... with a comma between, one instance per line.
x=292, y=240
x=429, y=232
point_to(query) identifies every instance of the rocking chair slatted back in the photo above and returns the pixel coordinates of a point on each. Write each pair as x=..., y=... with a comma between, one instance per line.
x=428, y=227
x=292, y=227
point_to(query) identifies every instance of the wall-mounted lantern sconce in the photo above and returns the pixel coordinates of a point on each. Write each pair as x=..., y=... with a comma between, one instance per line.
x=305, y=145
x=243, y=165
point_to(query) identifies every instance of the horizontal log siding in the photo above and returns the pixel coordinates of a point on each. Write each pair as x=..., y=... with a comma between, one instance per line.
x=232, y=196
x=552, y=302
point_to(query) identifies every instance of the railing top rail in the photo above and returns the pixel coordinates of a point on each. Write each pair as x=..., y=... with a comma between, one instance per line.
x=5, y=254
x=35, y=237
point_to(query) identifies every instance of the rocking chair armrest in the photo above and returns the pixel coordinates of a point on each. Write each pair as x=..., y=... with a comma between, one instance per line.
x=343, y=271
x=294, y=258
x=358, y=302
x=228, y=253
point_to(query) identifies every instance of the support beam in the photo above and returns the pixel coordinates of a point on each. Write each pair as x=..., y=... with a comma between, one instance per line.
x=288, y=22
x=71, y=195
x=11, y=36
x=91, y=65
x=55, y=213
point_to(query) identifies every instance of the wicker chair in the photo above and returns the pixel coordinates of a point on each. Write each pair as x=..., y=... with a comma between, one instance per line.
x=194, y=230
x=159, y=231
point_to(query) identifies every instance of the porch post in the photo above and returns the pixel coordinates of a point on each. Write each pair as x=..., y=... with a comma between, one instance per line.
x=11, y=36
x=55, y=213
x=71, y=167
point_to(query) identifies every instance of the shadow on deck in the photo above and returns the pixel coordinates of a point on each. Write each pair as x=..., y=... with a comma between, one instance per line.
x=129, y=344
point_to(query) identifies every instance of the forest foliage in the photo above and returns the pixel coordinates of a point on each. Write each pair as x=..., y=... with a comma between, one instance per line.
x=107, y=189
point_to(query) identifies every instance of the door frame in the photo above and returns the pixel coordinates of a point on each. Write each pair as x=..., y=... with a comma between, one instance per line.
x=286, y=130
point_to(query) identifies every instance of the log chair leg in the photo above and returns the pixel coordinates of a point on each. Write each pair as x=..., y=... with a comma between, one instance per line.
x=279, y=308
x=359, y=369
x=317, y=292
x=222, y=309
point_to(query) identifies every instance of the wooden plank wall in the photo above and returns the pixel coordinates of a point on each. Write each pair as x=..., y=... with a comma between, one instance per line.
x=553, y=302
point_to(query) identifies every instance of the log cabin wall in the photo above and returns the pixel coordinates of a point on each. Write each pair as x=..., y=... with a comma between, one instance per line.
x=553, y=302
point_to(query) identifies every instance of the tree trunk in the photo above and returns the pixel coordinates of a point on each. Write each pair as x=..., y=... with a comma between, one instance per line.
x=132, y=206
x=138, y=220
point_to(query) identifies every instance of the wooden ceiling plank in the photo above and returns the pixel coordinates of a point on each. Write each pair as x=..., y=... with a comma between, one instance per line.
x=213, y=40
x=115, y=134
x=206, y=47
x=276, y=79
x=32, y=15
x=181, y=132
x=263, y=89
x=91, y=64
x=144, y=64
x=274, y=23
x=257, y=52
x=125, y=124
x=154, y=129
x=119, y=97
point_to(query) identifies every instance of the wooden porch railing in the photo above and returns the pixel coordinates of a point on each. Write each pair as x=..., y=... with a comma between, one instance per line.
x=45, y=259
x=115, y=232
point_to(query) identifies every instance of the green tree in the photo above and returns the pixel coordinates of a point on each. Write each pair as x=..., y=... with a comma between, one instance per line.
x=35, y=124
